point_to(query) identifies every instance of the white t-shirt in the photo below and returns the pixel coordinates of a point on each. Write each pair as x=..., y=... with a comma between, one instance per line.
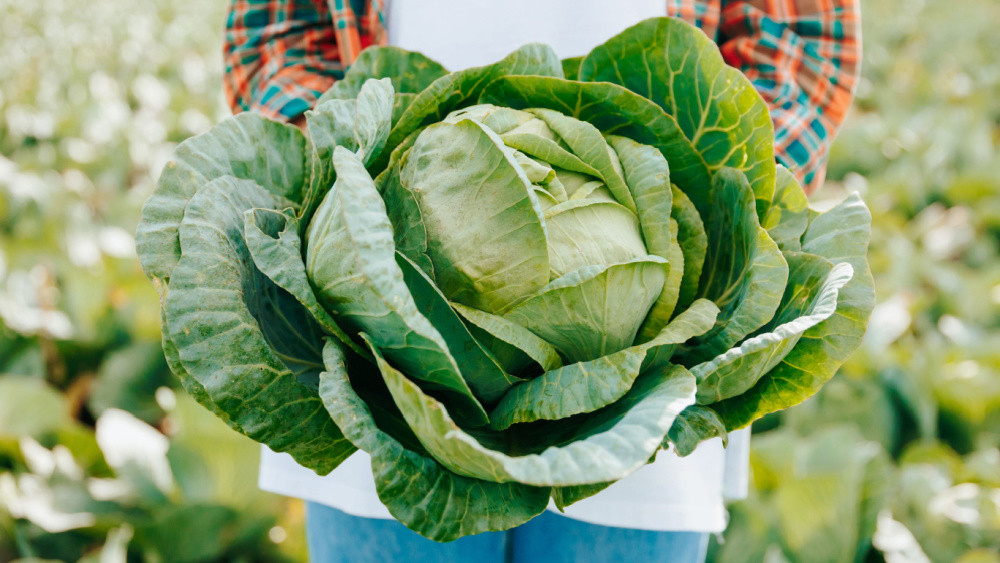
x=672, y=493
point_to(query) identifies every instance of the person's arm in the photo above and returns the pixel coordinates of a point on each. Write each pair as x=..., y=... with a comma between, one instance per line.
x=280, y=56
x=803, y=56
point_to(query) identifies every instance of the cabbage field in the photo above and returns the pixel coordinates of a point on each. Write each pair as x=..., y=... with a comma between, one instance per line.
x=103, y=455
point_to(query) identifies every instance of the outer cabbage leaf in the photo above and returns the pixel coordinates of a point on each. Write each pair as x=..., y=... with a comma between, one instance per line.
x=839, y=235
x=401, y=207
x=594, y=449
x=587, y=386
x=249, y=345
x=361, y=124
x=810, y=298
x=744, y=272
x=248, y=146
x=696, y=424
x=417, y=490
x=272, y=237
x=571, y=67
x=351, y=259
x=409, y=72
x=677, y=66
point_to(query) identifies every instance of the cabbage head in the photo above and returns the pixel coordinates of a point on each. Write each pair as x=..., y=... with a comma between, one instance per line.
x=508, y=284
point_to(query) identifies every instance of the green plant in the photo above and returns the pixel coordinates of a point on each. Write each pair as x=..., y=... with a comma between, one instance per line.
x=509, y=283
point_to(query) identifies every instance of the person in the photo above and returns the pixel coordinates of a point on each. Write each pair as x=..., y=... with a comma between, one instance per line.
x=803, y=58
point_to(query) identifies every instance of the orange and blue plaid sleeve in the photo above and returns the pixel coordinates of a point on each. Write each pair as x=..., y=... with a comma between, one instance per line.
x=803, y=56
x=280, y=55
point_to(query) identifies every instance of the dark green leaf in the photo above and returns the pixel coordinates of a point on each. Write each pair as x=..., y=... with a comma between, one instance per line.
x=249, y=344
x=247, y=146
x=479, y=368
x=839, y=235
x=351, y=261
x=744, y=272
x=677, y=66
x=417, y=490
x=410, y=72
x=693, y=426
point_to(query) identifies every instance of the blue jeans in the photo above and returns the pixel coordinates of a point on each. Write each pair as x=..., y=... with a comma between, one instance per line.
x=335, y=536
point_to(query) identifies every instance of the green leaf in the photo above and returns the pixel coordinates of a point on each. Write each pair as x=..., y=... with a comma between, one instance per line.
x=693, y=242
x=571, y=67
x=744, y=272
x=648, y=178
x=190, y=384
x=400, y=103
x=360, y=124
x=250, y=345
x=588, y=232
x=410, y=72
x=588, y=386
x=402, y=209
x=479, y=368
x=457, y=89
x=788, y=215
x=589, y=146
x=810, y=298
x=351, y=261
x=596, y=449
x=272, y=238
x=417, y=490
x=484, y=228
x=677, y=66
x=330, y=125
x=547, y=150
x=245, y=146
x=839, y=235
x=515, y=346
x=614, y=110
x=373, y=118
x=695, y=425
x=595, y=310
x=565, y=496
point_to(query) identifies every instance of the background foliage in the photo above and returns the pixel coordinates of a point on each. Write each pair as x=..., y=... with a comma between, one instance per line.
x=895, y=459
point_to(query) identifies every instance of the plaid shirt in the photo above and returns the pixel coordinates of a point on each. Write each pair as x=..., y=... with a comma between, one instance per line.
x=802, y=56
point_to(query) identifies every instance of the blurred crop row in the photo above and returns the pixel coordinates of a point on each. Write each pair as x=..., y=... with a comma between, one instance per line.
x=897, y=457
x=101, y=453
x=103, y=456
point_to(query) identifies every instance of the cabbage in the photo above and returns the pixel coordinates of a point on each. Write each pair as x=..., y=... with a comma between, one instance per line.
x=508, y=284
